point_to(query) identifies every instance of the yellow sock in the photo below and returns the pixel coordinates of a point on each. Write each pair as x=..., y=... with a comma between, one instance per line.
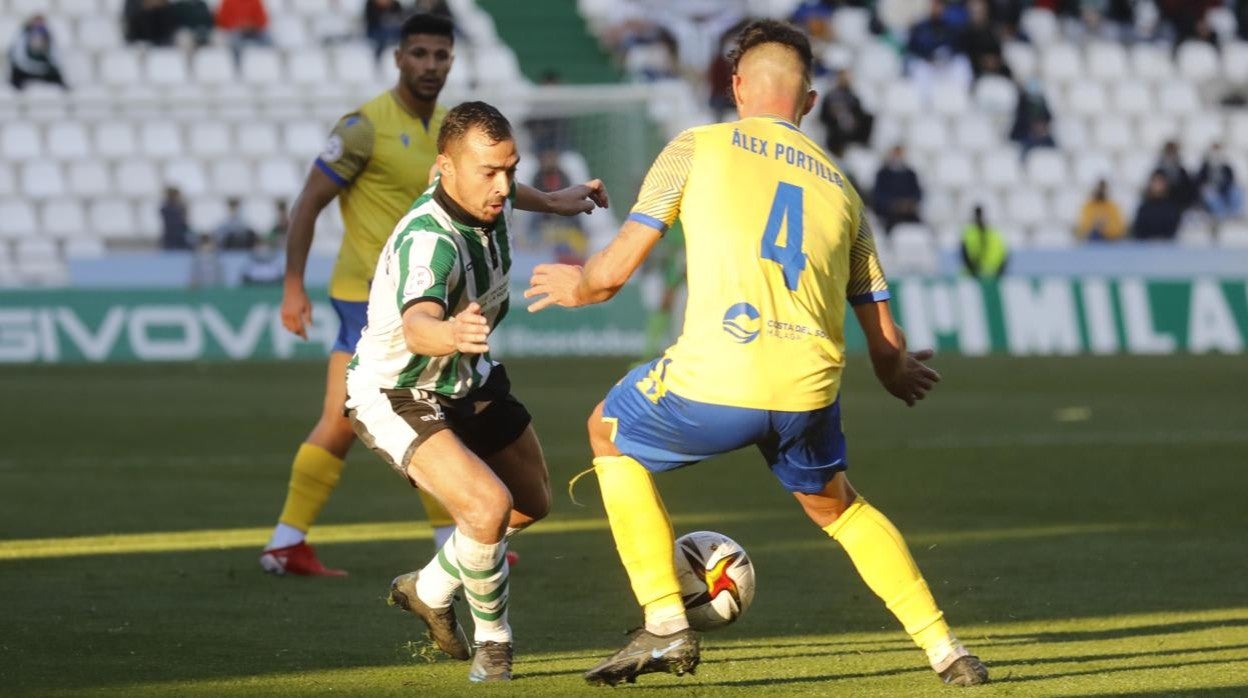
x=644, y=539
x=313, y=477
x=438, y=515
x=883, y=561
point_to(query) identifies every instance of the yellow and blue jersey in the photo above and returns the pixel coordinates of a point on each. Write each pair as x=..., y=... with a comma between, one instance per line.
x=380, y=155
x=777, y=242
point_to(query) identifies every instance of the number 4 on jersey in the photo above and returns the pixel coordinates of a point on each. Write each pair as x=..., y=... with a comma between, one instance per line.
x=786, y=207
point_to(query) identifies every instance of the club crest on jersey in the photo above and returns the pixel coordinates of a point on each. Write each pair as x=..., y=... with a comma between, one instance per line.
x=333, y=149
x=418, y=280
x=741, y=322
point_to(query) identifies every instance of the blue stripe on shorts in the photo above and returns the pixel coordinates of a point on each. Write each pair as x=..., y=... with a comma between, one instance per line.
x=352, y=316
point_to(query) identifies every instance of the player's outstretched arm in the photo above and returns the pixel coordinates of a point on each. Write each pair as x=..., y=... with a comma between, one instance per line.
x=428, y=333
x=603, y=275
x=317, y=192
x=582, y=198
x=901, y=372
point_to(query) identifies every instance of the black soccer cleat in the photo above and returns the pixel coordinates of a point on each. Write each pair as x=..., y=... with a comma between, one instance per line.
x=648, y=653
x=966, y=670
x=491, y=663
x=444, y=630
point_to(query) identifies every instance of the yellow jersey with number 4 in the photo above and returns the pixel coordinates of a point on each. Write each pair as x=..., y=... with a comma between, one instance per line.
x=777, y=241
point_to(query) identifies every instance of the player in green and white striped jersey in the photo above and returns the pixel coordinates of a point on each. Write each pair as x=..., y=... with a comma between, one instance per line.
x=424, y=393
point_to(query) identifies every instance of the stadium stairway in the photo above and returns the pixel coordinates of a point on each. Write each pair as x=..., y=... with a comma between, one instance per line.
x=529, y=27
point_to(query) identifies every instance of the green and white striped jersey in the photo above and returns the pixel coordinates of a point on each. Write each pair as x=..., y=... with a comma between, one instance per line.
x=433, y=256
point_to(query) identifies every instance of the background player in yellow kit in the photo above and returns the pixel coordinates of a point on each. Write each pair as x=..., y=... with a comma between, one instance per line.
x=376, y=162
x=777, y=241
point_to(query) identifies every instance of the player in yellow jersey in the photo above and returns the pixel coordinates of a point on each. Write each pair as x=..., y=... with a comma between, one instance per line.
x=377, y=161
x=777, y=242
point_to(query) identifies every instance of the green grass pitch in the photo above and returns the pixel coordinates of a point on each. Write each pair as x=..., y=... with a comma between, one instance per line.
x=1083, y=523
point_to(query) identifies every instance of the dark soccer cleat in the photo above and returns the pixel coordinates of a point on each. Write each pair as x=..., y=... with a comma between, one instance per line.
x=648, y=653
x=965, y=671
x=444, y=630
x=491, y=663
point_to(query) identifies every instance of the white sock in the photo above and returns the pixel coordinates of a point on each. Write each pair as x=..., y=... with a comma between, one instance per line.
x=285, y=536
x=483, y=570
x=441, y=534
x=666, y=626
x=439, y=579
x=946, y=654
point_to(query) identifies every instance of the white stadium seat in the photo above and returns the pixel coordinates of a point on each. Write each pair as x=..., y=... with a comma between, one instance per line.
x=954, y=169
x=1026, y=207
x=63, y=218
x=1071, y=133
x=1066, y=205
x=261, y=67
x=878, y=63
x=1049, y=238
x=1135, y=167
x=1195, y=236
x=354, y=63
x=68, y=140
x=1021, y=58
x=951, y=101
x=1198, y=61
x=995, y=94
x=99, y=32
x=8, y=180
x=304, y=139
x=1203, y=129
x=976, y=132
x=902, y=99
x=309, y=8
x=137, y=179
x=308, y=67
x=913, y=249
x=852, y=26
x=927, y=134
x=1091, y=167
x=187, y=175
x=278, y=178
x=1046, y=167
x=1156, y=130
x=259, y=213
x=1132, y=97
x=257, y=140
x=36, y=252
x=288, y=32
x=1113, y=134
x=120, y=68
x=1233, y=234
x=42, y=180
x=209, y=139
x=111, y=218
x=212, y=65
x=1107, y=62
x=204, y=214
x=1152, y=62
x=161, y=140
x=231, y=177
x=1000, y=168
x=165, y=67
x=84, y=248
x=1061, y=64
x=1235, y=62
x=17, y=219
x=1178, y=98
x=1040, y=25
x=20, y=142
x=1087, y=98
x=1237, y=132
x=89, y=179
x=115, y=140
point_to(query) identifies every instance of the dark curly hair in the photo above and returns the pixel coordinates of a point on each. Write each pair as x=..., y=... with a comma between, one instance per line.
x=468, y=115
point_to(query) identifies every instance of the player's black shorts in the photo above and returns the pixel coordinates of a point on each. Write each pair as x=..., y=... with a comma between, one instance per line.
x=395, y=422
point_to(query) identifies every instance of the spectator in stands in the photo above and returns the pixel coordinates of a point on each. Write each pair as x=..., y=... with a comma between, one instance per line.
x=32, y=55
x=1219, y=192
x=985, y=253
x=175, y=232
x=1006, y=16
x=281, y=223
x=934, y=50
x=150, y=21
x=233, y=233
x=245, y=22
x=196, y=18
x=1033, y=121
x=897, y=194
x=1183, y=15
x=981, y=43
x=549, y=132
x=382, y=21
x=1158, y=216
x=843, y=116
x=719, y=74
x=265, y=267
x=1100, y=219
x=1241, y=19
x=205, y=262
x=1180, y=186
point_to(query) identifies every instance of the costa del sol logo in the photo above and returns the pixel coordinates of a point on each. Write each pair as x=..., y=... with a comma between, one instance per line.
x=741, y=323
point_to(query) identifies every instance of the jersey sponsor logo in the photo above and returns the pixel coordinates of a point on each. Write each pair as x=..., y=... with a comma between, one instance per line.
x=418, y=280
x=741, y=322
x=333, y=149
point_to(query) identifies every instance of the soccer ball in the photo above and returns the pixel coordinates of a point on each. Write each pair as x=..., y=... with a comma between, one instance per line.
x=716, y=579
